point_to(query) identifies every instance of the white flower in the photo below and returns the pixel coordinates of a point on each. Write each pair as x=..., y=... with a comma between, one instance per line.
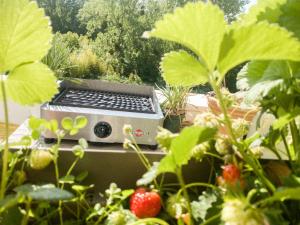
x=126, y=143
x=127, y=129
x=206, y=119
x=238, y=212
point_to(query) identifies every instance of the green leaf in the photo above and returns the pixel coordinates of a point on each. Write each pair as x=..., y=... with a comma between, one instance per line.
x=53, y=125
x=182, y=145
x=180, y=68
x=9, y=201
x=80, y=177
x=67, y=123
x=83, y=143
x=283, y=194
x=269, y=10
x=285, y=119
x=204, y=203
x=250, y=74
x=11, y=216
x=74, y=131
x=291, y=16
x=81, y=188
x=263, y=77
x=46, y=192
x=67, y=179
x=260, y=41
x=78, y=151
x=31, y=83
x=197, y=26
x=149, y=176
x=167, y=164
x=80, y=122
x=25, y=34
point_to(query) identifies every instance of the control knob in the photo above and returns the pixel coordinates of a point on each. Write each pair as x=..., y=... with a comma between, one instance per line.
x=102, y=129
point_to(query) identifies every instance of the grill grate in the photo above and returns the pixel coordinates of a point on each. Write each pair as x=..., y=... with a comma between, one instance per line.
x=104, y=100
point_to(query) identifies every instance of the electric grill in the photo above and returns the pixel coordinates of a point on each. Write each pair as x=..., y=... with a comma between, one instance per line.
x=107, y=106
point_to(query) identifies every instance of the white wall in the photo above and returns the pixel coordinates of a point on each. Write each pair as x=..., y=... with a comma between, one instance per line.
x=18, y=113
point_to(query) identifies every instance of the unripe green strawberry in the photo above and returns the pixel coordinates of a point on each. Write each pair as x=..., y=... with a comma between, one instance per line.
x=176, y=206
x=199, y=151
x=116, y=218
x=19, y=177
x=164, y=138
x=223, y=146
x=40, y=159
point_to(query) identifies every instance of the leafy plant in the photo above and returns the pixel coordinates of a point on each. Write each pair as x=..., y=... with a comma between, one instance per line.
x=215, y=47
x=25, y=39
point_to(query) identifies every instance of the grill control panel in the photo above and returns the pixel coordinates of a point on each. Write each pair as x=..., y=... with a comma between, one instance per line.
x=102, y=129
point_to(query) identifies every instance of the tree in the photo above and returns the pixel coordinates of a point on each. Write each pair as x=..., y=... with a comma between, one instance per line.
x=117, y=28
x=63, y=14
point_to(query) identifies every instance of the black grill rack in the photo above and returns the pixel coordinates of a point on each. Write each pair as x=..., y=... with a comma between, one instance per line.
x=96, y=99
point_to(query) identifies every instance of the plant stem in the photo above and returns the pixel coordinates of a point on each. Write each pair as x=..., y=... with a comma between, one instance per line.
x=286, y=146
x=255, y=166
x=210, y=219
x=6, y=147
x=295, y=137
x=185, y=193
x=26, y=216
x=197, y=184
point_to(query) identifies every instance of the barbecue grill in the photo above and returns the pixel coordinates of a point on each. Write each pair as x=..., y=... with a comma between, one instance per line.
x=107, y=106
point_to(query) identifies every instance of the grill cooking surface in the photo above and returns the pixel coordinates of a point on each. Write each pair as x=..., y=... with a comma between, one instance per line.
x=104, y=100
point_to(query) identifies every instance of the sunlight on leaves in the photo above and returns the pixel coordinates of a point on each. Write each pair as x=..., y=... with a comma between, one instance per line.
x=31, y=83
x=182, y=68
x=197, y=26
x=25, y=33
x=257, y=42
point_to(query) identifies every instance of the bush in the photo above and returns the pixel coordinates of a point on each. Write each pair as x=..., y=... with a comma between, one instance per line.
x=58, y=56
x=86, y=65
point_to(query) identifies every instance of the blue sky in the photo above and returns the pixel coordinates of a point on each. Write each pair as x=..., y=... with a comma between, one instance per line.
x=252, y=2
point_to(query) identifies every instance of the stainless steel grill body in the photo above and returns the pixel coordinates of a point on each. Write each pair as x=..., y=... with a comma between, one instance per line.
x=107, y=106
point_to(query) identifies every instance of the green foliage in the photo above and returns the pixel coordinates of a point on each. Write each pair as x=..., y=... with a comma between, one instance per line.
x=205, y=35
x=243, y=43
x=25, y=38
x=183, y=68
x=175, y=99
x=182, y=146
x=58, y=57
x=205, y=202
x=63, y=14
x=86, y=65
x=47, y=192
x=219, y=47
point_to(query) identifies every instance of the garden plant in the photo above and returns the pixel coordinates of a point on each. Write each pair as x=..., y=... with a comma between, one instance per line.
x=242, y=189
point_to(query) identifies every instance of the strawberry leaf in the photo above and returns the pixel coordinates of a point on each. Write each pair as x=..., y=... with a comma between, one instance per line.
x=197, y=26
x=180, y=68
x=257, y=42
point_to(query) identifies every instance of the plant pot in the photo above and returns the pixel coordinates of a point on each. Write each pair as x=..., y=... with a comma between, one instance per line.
x=173, y=122
x=234, y=112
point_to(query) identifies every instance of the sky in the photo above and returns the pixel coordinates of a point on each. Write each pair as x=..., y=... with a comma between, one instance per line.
x=251, y=2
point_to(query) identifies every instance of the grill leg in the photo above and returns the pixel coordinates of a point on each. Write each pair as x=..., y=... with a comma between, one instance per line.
x=49, y=140
x=152, y=147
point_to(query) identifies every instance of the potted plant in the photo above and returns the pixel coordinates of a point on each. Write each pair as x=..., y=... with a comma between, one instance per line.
x=173, y=106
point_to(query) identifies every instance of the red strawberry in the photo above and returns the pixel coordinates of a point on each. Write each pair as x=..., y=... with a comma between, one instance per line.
x=231, y=174
x=145, y=203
